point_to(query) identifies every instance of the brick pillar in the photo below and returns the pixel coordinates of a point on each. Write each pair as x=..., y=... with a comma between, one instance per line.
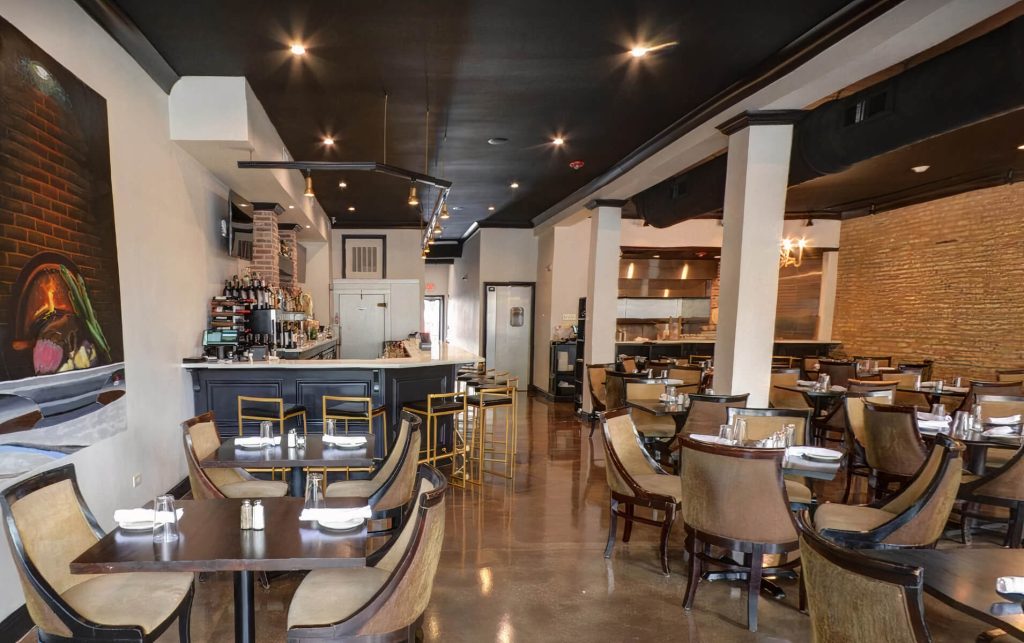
x=289, y=239
x=266, y=246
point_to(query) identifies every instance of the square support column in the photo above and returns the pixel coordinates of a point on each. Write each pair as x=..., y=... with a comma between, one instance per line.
x=754, y=209
x=602, y=286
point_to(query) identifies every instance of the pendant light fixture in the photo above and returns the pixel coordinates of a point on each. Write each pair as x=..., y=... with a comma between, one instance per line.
x=309, y=185
x=437, y=229
x=413, y=198
x=444, y=212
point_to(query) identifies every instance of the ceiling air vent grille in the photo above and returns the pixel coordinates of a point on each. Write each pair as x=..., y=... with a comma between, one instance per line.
x=867, y=107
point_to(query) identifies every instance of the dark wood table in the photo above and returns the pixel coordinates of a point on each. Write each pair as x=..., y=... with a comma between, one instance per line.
x=211, y=541
x=661, y=409
x=965, y=579
x=315, y=454
x=934, y=397
x=615, y=385
x=818, y=399
x=977, y=446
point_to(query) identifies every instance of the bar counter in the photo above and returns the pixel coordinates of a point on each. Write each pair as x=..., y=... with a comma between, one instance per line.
x=390, y=382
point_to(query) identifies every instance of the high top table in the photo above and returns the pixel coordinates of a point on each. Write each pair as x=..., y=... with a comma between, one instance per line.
x=211, y=541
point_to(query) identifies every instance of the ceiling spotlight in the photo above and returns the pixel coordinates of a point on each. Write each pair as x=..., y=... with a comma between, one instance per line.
x=1020, y=147
x=351, y=208
x=497, y=140
x=657, y=256
x=291, y=207
x=514, y=185
x=638, y=51
x=309, y=186
x=243, y=205
x=490, y=208
x=444, y=212
x=558, y=140
x=308, y=227
x=342, y=185
x=437, y=229
x=328, y=140
x=920, y=168
x=414, y=200
x=431, y=241
x=297, y=48
x=423, y=254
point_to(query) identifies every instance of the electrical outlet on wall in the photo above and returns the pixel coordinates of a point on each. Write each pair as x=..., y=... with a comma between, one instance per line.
x=136, y=480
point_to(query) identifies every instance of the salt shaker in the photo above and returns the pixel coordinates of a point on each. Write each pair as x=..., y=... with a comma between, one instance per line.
x=257, y=516
x=246, y=518
x=291, y=439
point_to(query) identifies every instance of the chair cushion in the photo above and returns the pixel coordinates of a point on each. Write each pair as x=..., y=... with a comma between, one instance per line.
x=351, y=410
x=270, y=413
x=489, y=400
x=145, y=599
x=255, y=489
x=666, y=485
x=996, y=458
x=799, y=493
x=327, y=596
x=849, y=517
x=657, y=430
x=352, y=488
x=440, y=406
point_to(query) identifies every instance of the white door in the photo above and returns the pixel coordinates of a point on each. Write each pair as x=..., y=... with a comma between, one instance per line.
x=509, y=329
x=362, y=324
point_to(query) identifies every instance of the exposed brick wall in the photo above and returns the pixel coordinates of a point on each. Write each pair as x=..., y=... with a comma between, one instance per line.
x=55, y=186
x=941, y=280
x=266, y=246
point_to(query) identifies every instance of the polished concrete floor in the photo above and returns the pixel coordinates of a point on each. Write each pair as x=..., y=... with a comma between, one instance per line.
x=523, y=561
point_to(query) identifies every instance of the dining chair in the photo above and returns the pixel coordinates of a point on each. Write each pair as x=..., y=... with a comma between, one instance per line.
x=1001, y=487
x=923, y=367
x=691, y=376
x=856, y=460
x=762, y=423
x=914, y=517
x=865, y=386
x=904, y=396
x=698, y=359
x=1010, y=375
x=708, y=412
x=780, y=398
x=392, y=483
x=735, y=498
x=199, y=435
x=628, y=364
x=635, y=480
x=883, y=360
x=596, y=376
x=385, y=600
x=856, y=599
x=48, y=526
x=999, y=406
x=648, y=424
x=893, y=447
x=810, y=365
x=839, y=372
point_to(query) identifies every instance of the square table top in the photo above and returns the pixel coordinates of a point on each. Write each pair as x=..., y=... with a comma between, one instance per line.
x=808, y=390
x=315, y=454
x=211, y=540
x=657, y=407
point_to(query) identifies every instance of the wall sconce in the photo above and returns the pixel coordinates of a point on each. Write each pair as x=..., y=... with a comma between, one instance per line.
x=791, y=252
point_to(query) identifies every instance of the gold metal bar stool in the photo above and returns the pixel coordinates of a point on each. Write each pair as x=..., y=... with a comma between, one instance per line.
x=355, y=409
x=260, y=409
x=438, y=405
x=491, y=399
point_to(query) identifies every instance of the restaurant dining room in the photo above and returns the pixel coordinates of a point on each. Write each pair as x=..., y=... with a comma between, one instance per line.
x=469, y=320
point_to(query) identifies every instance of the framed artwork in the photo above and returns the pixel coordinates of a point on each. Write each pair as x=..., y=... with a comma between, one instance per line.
x=364, y=256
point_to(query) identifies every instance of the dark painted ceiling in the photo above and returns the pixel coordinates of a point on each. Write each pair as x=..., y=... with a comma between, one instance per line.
x=524, y=70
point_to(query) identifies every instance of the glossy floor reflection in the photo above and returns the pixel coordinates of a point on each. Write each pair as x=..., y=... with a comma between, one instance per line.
x=523, y=561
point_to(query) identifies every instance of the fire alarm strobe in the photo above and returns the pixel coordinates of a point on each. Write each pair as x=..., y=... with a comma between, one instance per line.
x=576, y=164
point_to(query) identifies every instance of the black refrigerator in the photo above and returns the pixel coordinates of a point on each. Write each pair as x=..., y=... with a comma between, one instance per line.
x=581, y=340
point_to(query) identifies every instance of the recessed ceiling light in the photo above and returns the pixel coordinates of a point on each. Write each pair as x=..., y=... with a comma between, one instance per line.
x=657, y=256
x=490, y=208
x=342, y=185
x=497, y=140
x=920, y=168
x=243, y=205
x=351, y=208
x=1020, y=147
x=328, y=140
x=558, y=140
x=638, y=51
x=514, y=185
x=307, y=227
x=291, y=207
x=297, y=48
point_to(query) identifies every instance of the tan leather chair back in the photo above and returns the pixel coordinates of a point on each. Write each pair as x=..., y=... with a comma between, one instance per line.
x=782, y=399
x=892, y=443
x=622, y=440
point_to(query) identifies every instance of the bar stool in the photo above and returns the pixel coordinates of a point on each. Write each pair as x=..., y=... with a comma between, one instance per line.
x=492, y=398
x=438, y=405
x=260, y=409
x=355, y=409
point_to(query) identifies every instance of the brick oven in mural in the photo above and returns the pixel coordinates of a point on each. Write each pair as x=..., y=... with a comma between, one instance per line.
x=62, y=380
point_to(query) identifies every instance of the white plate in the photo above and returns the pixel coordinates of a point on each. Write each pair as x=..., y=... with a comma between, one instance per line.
x=341, y=525
x=709, y=439
x=143, y=525
x=819, y=454
x=352, y=443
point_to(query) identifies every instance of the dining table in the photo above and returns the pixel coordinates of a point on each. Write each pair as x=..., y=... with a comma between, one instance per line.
x=821, y=400
x=210, y=540
x=935, y=396
x=315, y=453
x=615, y=385
x=977, y=445
x=965, y=579
x=662, y=409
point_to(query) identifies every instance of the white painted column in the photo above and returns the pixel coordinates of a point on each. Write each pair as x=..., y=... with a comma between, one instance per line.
x=827, y=294
x=602, y=286
x=753, y=214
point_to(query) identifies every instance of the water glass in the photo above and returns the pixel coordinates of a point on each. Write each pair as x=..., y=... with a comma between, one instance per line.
x=739, y=430
x=314, y=491
x=961, y=425
x=958, y=382
x=329, y=427
x=709, y=392
x=266, y=432
x=979, y=419
x=938, y=386
x=165, y=520
x=670, y=392
x=939, y=411
x=789, y=433
x=726, y=433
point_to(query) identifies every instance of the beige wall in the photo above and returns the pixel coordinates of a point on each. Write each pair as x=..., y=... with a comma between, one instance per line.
x=941, y=280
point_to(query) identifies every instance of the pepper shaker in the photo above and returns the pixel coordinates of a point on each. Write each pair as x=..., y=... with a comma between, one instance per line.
x=246, y=518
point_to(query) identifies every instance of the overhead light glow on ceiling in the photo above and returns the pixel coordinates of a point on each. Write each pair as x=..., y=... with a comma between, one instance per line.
x=243, y=205
x=328, y=140
x=641, y=51
x=291, y=207
x=308, y=227
x=920, y=168
x=497, y=140
x=444, y=212
x=657, y=256
x=629, y=270
x=1020, y=147
x=351, y=208
x=297, y=48
x=414, y=200
x=558, y=140
x=514, y=185
x=638, y=51
x=342, y=185
x=490, y=208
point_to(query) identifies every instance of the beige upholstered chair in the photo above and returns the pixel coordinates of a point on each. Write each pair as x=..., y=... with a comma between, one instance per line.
x=892, y=443
x=979, y=387
x=914, y=517
x=838, y=371
x=1001, y=487
x=629, y=364
x=385, y=600
x=596, y=376
x=856, y=599
x=856, y=462
x=201, y=439
x=907, y=380
x=392, y=484
x=708, y=412
x=650, y=425
x=762, y=423
x=883, y=360
x=779, y=398
x=867, y=386
x=634, y=479
x=1011, y=375
x=48, y=526
x=734, y=497
x=691, y=376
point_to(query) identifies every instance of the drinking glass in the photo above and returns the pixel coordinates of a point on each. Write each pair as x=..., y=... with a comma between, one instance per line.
x=725, y=432
x=979, y=419
x=961, y=425
x=314, y=492
x=939, y=411
x=670, y=392
x=165, y=521
x=266, y=432
x=823, y=383
x=958, y=382
x=789, y=431
x=329, y=427
x=938, y=386
x=739, y=430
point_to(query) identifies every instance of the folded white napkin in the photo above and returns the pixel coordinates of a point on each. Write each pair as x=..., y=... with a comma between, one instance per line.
x=837, y=388
x=1010, y=584
x=932, y=425
x=1010, y=419
x=345, y=440
x=144, y=515
x=255, y=441
x=999, y=430
x=956, y=389
x=927, y=384
x=931, y=417
x=336, y=514
x=805, y=382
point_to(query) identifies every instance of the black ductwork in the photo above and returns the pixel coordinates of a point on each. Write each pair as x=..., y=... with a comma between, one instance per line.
x=978, y=80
